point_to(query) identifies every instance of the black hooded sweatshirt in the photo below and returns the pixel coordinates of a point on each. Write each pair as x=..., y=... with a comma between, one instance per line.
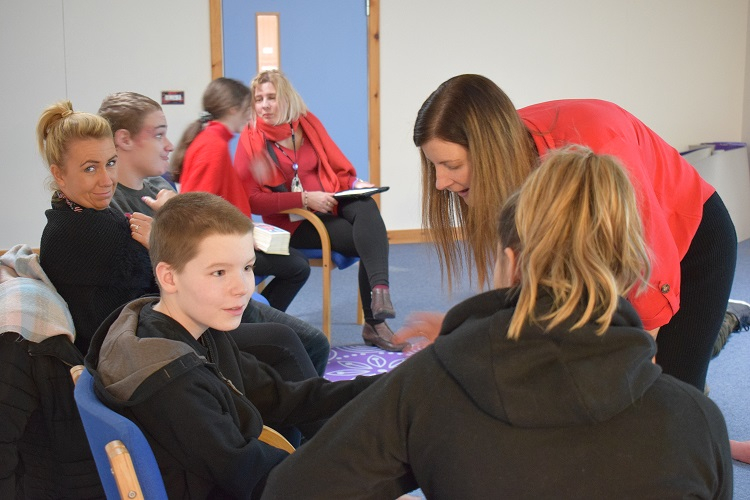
x=563, y=414
x=199, y=403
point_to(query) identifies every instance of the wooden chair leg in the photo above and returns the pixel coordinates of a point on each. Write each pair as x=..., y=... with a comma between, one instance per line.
x=327, y=298
x=327, y=266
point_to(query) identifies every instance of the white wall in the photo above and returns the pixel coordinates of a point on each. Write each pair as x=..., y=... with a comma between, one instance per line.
x=746, y=103
x=83, y=50
x=33, y=75
x=679, y=65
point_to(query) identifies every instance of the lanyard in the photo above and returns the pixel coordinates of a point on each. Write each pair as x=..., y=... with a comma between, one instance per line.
x=296, y=184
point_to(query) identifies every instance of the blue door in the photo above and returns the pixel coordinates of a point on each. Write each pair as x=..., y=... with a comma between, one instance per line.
x=323, y=47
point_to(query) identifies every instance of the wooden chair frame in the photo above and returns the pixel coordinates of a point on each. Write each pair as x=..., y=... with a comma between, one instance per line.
x=326, y=264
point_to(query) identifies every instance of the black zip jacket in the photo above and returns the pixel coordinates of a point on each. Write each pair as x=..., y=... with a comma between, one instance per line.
x=200, y=404
x=44, y=452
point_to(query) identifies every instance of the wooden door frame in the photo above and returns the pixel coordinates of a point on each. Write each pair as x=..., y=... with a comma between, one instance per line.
x=373, y=74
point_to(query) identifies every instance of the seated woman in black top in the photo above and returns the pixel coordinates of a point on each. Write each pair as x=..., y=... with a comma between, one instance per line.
x=96, y=258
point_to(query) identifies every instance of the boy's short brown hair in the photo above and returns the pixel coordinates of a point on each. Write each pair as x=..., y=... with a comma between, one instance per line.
x=186, y=220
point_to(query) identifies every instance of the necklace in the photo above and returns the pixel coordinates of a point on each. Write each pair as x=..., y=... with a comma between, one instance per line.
x=296, y=184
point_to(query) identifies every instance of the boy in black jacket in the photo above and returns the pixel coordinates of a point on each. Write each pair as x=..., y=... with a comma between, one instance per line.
x=168, y=364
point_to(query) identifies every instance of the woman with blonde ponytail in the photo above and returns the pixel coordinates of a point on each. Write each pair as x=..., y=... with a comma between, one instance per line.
x=542, y=388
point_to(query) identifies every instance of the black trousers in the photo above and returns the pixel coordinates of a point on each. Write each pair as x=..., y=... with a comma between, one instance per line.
x=357, y=231
x=313, y=340
x=278, y=346
x=707, y=272
x=290, y=272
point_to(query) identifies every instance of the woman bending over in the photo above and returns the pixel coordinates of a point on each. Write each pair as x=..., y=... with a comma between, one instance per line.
x=477, y=149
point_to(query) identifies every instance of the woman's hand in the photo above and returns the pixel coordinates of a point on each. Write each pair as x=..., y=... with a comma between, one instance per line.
x=320, y=201
x=140, y=228
x=740, y=450
x=361, y=183
x=420, y=330
x=161, y=198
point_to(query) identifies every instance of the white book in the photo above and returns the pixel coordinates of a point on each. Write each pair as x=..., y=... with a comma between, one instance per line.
x=271, y=239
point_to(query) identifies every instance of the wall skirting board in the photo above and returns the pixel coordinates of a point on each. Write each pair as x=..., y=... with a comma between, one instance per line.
x=401, y=236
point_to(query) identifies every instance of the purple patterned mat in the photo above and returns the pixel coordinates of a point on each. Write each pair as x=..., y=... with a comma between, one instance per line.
x=347, y=362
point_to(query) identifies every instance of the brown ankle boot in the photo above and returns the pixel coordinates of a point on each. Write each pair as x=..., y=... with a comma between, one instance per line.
x=381, y=304
x=381, y=335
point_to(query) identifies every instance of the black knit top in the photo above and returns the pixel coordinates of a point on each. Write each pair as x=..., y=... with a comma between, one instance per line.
x=94, y=263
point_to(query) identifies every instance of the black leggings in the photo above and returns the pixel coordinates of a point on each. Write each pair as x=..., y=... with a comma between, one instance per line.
x=707, y=271
x=279, y=347
x=290, y=272
x=358, y=231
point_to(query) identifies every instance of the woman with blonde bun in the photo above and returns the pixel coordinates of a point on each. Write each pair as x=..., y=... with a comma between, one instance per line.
x=96, y=256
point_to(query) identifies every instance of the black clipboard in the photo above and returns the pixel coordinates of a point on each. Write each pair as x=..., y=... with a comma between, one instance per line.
x=359, y=193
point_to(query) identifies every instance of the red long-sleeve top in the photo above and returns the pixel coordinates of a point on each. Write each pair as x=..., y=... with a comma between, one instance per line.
x=208, y=167
x=670, y=191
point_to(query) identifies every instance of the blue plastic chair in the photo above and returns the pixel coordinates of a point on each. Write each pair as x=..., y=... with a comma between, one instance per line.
x=104, y=426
